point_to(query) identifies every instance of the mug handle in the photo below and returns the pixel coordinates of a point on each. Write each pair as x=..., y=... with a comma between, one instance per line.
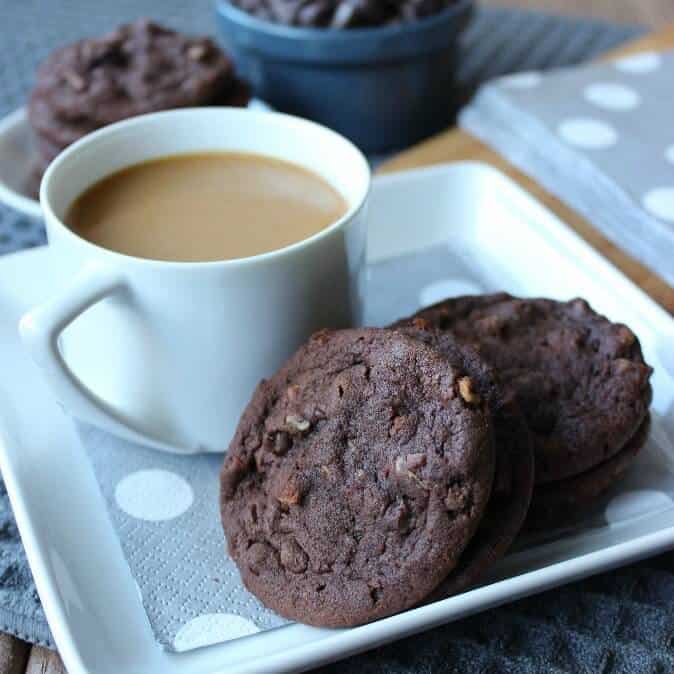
x=40, y=330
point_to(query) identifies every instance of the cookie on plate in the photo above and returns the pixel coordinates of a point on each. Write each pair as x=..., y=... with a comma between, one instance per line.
x=514, y=477
x=357, y=477
x=140, y=67
x=581, y=380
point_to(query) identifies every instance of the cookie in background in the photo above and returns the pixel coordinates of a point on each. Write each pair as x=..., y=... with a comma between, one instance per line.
x=138, y=68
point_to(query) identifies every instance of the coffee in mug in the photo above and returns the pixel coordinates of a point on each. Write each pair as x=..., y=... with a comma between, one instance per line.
x=205, y=207
x=167, y=353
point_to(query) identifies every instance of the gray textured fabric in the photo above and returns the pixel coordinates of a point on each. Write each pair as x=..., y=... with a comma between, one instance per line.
x=620, y=622
x=600, y=138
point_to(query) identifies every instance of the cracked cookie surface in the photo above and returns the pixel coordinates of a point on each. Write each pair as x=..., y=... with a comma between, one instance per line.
x=357, y=476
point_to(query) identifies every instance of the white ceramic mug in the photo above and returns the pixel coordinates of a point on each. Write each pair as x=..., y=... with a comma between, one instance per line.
x=169, y=353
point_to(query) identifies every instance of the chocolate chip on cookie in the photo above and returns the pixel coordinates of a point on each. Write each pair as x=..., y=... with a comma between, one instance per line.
x=357, y=477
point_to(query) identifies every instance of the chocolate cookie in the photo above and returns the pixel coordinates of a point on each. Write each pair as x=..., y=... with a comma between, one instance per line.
x=514, y=479
x=141, y=67
x=566, y=501
x=342, y=13
x=357, y=476
x=580, y=379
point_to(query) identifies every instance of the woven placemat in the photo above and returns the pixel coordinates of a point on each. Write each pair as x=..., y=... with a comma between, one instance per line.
x=618, y=622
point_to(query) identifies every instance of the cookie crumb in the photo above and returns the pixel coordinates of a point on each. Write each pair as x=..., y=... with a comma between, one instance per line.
x=422, y=324
x=293, y=392
x=457, y=497
x=75, y=81
x=197, y=52
x=281, y=443
x=626, y=336
x=291, y=494
x=467, y=391
x=405, y=466
x=298, y=423
x=293, y=557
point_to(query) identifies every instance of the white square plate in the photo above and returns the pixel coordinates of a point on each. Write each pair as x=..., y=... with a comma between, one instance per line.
x=508, y=241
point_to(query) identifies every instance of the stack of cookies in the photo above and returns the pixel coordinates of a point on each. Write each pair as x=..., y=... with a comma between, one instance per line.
x=380, y=468
x=580, y=380
x=139, y=68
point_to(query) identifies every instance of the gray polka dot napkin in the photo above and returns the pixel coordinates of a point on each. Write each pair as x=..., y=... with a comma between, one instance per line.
x=601, y=138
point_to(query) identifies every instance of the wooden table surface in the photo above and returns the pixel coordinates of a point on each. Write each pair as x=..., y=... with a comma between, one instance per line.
x=18, y=657
x=653, y=13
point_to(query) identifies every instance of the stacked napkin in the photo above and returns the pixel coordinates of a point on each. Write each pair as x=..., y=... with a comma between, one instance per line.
x=600, y=138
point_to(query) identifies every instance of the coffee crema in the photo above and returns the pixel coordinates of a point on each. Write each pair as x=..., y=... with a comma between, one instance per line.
x=205, y=207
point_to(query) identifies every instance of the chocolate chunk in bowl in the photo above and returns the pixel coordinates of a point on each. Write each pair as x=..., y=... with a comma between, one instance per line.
x=380, y=73
x=138, y=68
x=342, y=13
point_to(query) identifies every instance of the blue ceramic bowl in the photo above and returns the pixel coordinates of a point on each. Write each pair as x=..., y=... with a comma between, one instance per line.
x=384, y=88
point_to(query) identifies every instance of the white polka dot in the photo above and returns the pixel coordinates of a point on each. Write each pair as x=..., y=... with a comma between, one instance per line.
x=441, y=290
x=669, y=154
x=660, y=203
x=212, y=628
x=635, y=503
x=638, y=64
x=589, y=134
x=154, y=495
x=522, y=80
x=666, y=357
x=612, y=96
